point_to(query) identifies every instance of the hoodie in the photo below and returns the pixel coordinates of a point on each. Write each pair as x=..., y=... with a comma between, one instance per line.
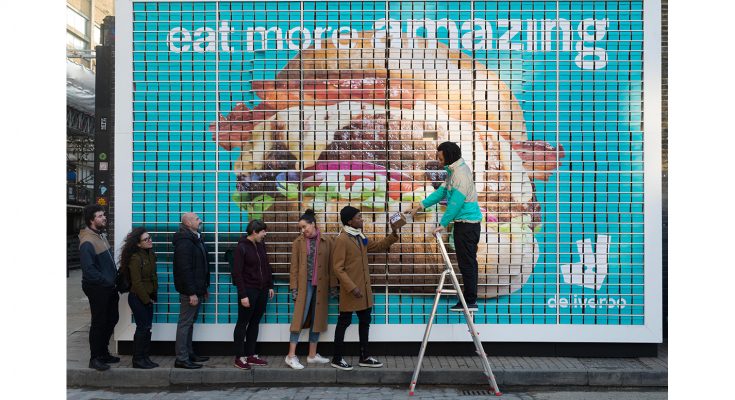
x=251, y=268
x=98, y=264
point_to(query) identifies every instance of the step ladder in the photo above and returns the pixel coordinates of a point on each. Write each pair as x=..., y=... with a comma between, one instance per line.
x=448, y=270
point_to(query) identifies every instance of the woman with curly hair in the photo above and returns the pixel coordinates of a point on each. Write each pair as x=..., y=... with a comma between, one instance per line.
x=138, y=260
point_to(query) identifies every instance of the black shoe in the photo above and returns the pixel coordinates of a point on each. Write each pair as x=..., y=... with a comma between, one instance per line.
x=196, y=358
x=110, y=359
x=458, y=307
x=341, y=364
x=186, y=364
x=149, y=361
x=370, y=362
x=97, y=364
x=141, y=363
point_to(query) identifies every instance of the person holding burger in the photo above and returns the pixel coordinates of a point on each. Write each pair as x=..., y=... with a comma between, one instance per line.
x=459, y=191
x=350, y=265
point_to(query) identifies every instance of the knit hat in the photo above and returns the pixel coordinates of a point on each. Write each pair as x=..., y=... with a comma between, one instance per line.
x=347, y=213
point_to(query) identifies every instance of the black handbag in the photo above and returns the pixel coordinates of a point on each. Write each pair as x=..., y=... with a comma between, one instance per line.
x=122, y=280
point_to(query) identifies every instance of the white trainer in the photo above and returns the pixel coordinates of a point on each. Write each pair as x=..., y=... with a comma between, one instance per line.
x=317, y=359
x=293, y=362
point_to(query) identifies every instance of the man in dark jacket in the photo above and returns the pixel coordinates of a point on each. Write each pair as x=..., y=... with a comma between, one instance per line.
x=191, y=279
x=98, y=283
x=350, y=266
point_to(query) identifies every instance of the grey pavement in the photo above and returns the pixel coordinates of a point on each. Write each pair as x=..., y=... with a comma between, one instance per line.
x=360, y=392
x=643, y=372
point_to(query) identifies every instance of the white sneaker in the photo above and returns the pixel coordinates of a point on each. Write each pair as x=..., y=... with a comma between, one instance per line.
x=293, y=362
x=317, y=359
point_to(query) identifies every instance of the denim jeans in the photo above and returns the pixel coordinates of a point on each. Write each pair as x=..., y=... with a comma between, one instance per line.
x=309, y=307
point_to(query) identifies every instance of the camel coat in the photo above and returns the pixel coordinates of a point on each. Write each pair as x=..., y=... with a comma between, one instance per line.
x=325, y=280
x=350, y=266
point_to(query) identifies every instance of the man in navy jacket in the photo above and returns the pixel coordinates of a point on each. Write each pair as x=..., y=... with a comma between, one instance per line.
x=191, y=279
x=98, y=284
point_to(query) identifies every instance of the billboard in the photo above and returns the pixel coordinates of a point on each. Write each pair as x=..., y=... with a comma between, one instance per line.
x=261, y=109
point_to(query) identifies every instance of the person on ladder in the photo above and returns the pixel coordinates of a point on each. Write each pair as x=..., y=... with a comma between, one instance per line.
x=459, y=190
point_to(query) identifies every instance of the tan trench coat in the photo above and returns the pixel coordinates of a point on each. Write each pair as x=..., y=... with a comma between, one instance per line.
x=325, y=280
x=350, y=266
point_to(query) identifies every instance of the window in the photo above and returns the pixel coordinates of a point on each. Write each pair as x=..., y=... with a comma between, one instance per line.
x=95, y=36
x=76, y=21
x=75, y=41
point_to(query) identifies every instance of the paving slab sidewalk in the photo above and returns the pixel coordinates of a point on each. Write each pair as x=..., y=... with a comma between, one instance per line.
x=397, y=370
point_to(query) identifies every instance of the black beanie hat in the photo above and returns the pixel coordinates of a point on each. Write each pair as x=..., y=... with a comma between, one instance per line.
x=347, y=214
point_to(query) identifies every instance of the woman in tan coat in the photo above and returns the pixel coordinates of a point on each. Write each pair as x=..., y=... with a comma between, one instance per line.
x=350, y=265
x=310, y=281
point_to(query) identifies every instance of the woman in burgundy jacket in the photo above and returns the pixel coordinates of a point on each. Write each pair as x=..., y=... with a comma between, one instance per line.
x=252, y=275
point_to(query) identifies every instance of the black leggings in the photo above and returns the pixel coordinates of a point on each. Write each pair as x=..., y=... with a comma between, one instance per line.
x=344, y=320
x=248, y=322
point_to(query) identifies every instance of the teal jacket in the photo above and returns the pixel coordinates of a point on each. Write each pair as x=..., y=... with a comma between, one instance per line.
x=459, y=191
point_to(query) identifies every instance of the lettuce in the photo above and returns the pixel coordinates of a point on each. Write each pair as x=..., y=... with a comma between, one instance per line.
x=254, y=207
x=290, y=191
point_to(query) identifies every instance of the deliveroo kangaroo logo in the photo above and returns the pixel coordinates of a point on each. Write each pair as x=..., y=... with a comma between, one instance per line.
x=591, y=271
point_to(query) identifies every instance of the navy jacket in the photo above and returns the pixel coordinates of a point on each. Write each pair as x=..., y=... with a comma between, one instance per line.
x=98, y=264
x=191, y=263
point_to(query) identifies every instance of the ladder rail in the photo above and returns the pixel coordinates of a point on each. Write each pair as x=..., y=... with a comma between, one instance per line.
x=427, y=332
x=453, y=275
x=479, y=349
x=449, y=270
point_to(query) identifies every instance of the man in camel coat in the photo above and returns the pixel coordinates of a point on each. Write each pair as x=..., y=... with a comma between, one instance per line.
x=350, y=266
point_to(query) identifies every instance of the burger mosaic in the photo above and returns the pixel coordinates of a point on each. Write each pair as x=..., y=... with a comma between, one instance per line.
x=360, y=126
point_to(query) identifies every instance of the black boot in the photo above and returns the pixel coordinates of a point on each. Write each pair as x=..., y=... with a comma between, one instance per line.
x=148, y=350
x=96, y=363
x=141, y=363
x=139, y=352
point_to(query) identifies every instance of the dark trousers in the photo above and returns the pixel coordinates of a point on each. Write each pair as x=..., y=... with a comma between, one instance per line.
x=343, y=321
x=248, y=322
x=143, y=314
x=185, y=327
x=466, y=238
x=103, y=306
